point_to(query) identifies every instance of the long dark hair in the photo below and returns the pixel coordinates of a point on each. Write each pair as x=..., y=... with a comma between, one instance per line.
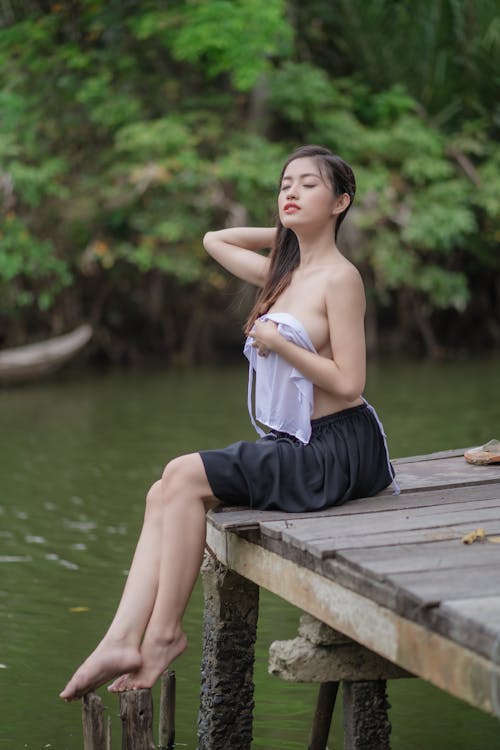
x=285, y=254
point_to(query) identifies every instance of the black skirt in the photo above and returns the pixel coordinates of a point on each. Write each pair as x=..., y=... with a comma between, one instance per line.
x=345, y=459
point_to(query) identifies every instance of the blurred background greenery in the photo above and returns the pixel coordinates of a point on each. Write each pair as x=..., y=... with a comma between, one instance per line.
x=130, y=127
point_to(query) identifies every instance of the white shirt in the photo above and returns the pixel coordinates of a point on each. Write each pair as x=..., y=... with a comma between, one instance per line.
x=283, y=396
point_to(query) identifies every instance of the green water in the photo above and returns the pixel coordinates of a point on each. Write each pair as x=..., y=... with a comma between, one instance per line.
x=77, y=455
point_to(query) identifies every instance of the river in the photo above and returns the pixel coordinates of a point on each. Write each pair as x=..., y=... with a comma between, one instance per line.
x=78, y=453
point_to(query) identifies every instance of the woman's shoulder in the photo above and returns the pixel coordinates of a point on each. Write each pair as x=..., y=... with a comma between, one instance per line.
x=343, y=285
x=342, y=272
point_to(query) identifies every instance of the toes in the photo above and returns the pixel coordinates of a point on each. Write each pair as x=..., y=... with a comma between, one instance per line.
x=119, y=685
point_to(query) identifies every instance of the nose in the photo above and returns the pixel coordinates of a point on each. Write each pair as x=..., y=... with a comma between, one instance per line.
x=291, y=192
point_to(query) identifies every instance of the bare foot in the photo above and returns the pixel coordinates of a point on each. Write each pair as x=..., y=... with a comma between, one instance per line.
x=156, y=656
x=110, y=659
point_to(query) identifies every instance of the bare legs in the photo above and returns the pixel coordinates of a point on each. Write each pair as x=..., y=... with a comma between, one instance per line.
x=146, y=635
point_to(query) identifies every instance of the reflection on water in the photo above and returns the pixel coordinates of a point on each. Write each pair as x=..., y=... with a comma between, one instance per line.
x=78, y=454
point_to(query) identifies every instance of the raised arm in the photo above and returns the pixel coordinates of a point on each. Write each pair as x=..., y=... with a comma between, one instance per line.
x=237, y=249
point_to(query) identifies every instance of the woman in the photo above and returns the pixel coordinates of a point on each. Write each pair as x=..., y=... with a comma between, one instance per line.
x=326, y=445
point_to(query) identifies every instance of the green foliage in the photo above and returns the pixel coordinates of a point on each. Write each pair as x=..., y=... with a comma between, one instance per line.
x=129, y=129
x=30, y=271
x=236, y=36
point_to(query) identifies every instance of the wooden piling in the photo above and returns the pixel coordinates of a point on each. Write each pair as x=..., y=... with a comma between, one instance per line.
x=136, y=713
x=229, y=631
x=366, y=723
x=166, y=733
x=322, y=719
x=94, y=735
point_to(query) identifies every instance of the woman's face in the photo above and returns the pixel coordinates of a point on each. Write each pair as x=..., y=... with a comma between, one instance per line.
x=306, y=198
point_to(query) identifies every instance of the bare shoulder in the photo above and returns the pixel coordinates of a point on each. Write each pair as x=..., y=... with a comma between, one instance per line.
x=343, y=280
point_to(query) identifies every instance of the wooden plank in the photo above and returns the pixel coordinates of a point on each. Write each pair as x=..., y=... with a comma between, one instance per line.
x=432, y=587
x=245, y=519
x=474, y=622
x=406, y=558
x=480, y=612
x=433, y=617
x=325, y=548
x=450, y=453
x=450, y=666
x=306, y=531
x=444, y=472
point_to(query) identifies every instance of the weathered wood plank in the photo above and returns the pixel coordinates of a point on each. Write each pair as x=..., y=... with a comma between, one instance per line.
x=434, y=618
x=435, y=586
x=307, y=532
x=325, y=548
x=482, y=612
x=248, y=518
x=451, y=453
x=448, y=665
x=444, y=472
x=406, y=558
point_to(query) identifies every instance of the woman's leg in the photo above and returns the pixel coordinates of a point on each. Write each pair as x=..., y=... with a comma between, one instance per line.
x=165, y=523
x=183, y=541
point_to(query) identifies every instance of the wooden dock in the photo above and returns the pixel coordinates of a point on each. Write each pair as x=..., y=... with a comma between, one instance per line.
x=392, y=572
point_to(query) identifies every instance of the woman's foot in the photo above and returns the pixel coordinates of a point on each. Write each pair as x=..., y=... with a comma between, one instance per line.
x=156, y=656
x=110, y=659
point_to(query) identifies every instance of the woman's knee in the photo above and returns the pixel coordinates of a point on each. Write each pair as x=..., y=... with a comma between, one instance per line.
x=176, y=471
x=154, y=498
x=182, y=473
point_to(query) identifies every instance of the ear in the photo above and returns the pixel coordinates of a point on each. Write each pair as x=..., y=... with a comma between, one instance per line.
x=341, y=203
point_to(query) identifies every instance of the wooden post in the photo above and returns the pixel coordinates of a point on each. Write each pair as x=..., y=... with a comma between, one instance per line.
x=320, y=654
x=94, y=736
x=166, y=735
x=323, y=715
x=366, y=724
x=136, y=713
x=229, y=631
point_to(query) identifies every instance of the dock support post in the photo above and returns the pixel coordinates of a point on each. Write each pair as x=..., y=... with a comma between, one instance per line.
x=322, y=719
x=229, y=630
x=366, y=724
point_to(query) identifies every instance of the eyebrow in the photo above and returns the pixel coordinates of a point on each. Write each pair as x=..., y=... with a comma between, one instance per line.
x=305, y=174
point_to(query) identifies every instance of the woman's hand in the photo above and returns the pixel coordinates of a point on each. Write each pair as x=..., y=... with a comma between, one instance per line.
x=265, y=336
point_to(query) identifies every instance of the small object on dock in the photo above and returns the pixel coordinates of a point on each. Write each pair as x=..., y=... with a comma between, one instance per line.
x=479, y=535
x=167, y=711
x=489, y=453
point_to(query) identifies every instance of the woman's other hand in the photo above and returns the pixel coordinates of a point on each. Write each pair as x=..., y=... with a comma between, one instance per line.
x=265, y=336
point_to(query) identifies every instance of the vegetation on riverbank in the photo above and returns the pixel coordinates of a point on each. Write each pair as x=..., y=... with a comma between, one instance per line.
x=130, y=128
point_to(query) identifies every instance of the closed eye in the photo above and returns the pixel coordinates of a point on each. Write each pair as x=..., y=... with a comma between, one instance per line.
x=304, y=184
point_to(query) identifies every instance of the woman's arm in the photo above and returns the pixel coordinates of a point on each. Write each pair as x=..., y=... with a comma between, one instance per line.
x=344, y=375
x=237, y=249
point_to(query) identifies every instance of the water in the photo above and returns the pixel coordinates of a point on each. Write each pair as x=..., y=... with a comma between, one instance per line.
x=77, y=455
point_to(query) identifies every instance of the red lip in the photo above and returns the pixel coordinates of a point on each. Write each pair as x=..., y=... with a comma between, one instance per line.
x=288, y=206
